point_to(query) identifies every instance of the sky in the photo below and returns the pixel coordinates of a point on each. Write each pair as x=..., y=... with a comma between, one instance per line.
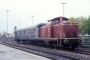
x=42, y=10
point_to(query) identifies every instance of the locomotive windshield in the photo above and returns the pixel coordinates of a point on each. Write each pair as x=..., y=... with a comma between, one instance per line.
x=55, y=21
x=65, y=20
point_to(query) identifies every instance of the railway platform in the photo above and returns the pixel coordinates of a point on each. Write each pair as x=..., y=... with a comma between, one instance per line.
x=8, y=53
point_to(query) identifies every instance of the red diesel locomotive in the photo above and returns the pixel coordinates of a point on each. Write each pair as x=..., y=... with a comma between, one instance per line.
x=57, y=32
x=60, y=32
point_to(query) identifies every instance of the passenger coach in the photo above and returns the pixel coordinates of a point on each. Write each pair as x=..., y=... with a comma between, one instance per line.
x=29, y=34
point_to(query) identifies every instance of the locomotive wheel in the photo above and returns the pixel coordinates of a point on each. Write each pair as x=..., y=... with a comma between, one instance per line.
x=72, y=47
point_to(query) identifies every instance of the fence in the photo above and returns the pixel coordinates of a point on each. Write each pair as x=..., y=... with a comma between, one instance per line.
x=85, y=39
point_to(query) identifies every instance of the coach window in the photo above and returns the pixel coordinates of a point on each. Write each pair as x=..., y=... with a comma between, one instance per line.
x=34, y=31
x=29, y=31
x=19, y=32
x=55, y=21
x=24, y=32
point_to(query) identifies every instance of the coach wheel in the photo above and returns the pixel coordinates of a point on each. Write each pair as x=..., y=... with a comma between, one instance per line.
x=21, y=41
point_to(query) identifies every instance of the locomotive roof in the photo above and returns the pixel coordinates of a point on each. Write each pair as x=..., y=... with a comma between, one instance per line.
x=33, y=26
x=64, y=18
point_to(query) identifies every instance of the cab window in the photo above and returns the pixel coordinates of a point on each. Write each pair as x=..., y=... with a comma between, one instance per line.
x=55, y=21
x=65, y=20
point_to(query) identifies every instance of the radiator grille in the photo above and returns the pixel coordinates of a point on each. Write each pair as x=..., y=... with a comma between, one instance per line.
x=74, y=34
x=67, y=34
x=71, y=34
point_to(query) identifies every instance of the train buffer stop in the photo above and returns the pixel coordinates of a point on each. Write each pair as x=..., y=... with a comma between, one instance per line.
x=8, y=53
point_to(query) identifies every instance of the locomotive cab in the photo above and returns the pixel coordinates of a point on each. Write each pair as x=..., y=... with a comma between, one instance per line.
x=67, y=33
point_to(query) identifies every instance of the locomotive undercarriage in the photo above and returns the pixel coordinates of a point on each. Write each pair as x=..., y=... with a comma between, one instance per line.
x=71, y=43
x=66, y=43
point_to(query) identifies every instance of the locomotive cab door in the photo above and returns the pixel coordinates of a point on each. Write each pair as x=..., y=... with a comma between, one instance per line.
x=60, y=30
x=49, y=32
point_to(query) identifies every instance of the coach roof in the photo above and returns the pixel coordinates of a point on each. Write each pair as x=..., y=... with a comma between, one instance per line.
x=33, y=26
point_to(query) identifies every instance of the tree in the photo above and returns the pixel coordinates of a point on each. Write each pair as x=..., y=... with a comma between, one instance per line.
x=72, y=19
x=83, y=23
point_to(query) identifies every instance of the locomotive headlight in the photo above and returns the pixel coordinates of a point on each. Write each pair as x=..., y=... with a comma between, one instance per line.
x=65, y=41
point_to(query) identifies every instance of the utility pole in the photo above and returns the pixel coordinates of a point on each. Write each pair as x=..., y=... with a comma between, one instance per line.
x=7, y=19
x=63, y=8
x=12, y=28
x=32, y=19
x=19, y=24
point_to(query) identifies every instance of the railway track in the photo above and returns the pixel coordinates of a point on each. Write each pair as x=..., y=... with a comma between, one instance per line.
x=81, y=51
x=85, y=49
x=86, y=45
x=55, y=54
